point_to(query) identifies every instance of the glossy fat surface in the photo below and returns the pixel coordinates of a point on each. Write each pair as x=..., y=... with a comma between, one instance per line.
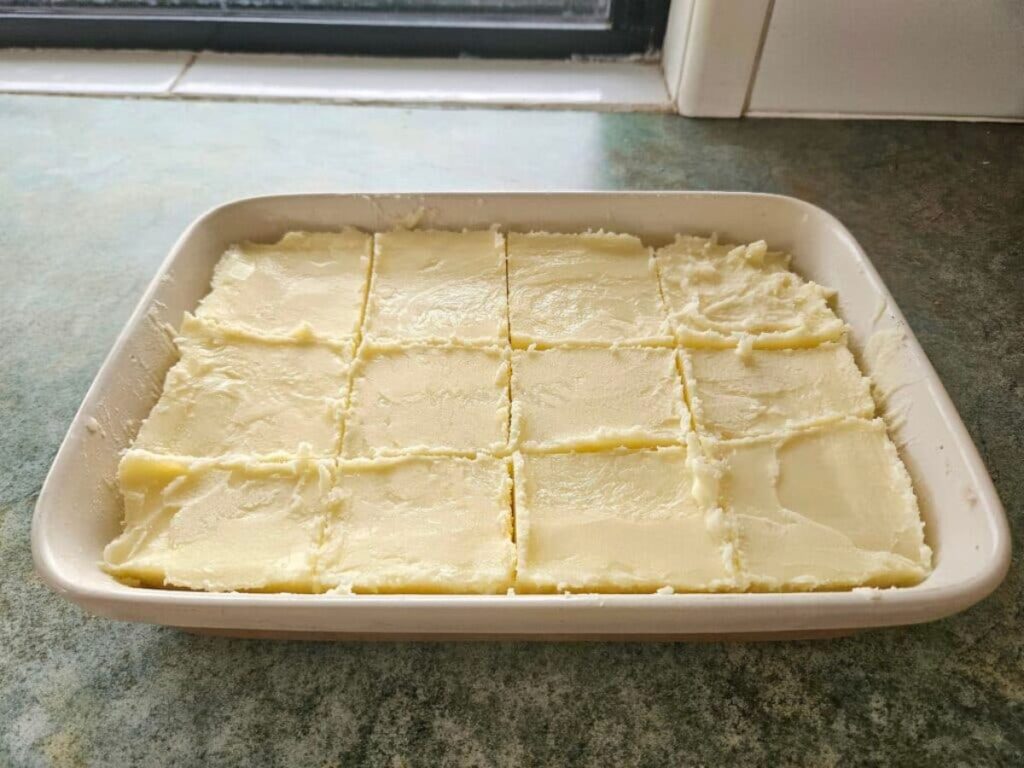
x=438, y=286
x=308, y=284
x=736, y=394
x=596, y=384
x=596, y=287
x=425, y=398
x=720, y=295
x=825, y=508
x=421, y=524
x=596, y=397
x=238, y=526
x=617, y=521
x=248, y=397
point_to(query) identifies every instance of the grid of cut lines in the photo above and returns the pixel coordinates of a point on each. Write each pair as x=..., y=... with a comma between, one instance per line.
x=364, y=350
x=506, y=351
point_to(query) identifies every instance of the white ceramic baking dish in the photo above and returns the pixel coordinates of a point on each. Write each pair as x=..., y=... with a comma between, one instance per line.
x=78, y=510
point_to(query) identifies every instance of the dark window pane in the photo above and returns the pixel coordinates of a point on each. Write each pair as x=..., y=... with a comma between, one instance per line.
x=588, y=10
x=497, y=28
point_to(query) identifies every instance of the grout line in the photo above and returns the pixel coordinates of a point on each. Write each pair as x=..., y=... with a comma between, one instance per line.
x=174, y=83
x=452, y=104
x=783, y=114
x=610, y=108
x=682, y=64
x=757, y=58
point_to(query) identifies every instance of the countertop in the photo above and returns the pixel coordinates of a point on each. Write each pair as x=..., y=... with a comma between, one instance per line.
x=94, y=191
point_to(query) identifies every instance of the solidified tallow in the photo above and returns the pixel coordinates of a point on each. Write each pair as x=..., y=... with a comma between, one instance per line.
x=201, y=524
x=726, y=295
x=594, y=288
x=579, y=416
x=424, y=399
x=585, y=397
x=616, y=521
x=421, y=524
x=827, y=508
x=438, y=286
x=773, y=390
x=242, y=396
x=308, y=285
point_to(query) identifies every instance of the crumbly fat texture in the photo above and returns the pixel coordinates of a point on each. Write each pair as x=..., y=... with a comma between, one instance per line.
x=438, y=287
x=727, y=295
x=763, y=391
x=595, y=288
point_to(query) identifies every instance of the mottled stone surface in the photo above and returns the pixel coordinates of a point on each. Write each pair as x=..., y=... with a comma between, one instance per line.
x=94, y=191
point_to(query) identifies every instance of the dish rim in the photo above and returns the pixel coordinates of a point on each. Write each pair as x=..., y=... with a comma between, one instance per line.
x=811, y=610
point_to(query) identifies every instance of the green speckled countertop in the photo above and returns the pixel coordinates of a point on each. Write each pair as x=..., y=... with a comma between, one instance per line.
x=94, y=191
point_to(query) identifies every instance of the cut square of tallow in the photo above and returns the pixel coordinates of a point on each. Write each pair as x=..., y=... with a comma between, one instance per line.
x=593, y=288
x=616, y=521
x=231, y=395
x=764, y=391
x=202, y=525
x=433, y=286
x=591, y=398
x=421, y=524
x=428, y=399
x=307, y=286
x=729, y=295
x=827, y=508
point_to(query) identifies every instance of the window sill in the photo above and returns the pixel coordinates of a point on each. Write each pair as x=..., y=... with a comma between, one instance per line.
x=597, y=85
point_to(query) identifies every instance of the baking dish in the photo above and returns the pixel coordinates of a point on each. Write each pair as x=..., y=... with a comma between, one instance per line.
x=78, y=510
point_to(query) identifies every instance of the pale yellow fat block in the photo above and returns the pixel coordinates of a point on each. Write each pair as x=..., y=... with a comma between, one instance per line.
x=308, y=285
x=438, y=286
x=595, y=288
x=421, y=524
x=220, y=527
x=240, y=396
x=828, y=508
x=592, y=398
x=758, y=392
x=428, y=399
x=235, y=483
x=616, y=521
x=727, y=295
